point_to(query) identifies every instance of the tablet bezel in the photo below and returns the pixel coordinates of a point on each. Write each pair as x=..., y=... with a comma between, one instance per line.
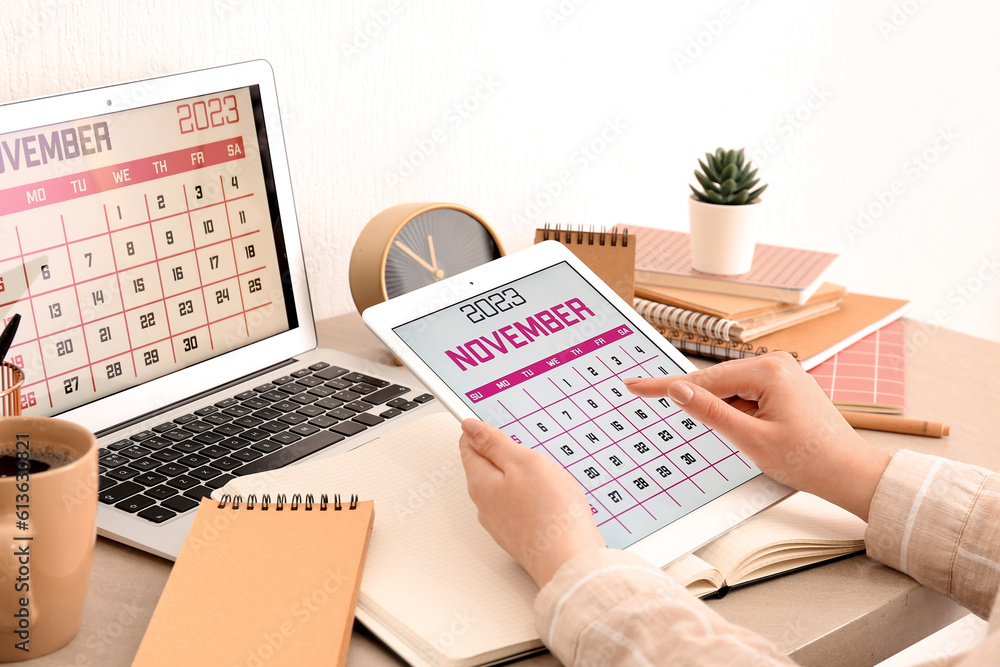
x=670, y=542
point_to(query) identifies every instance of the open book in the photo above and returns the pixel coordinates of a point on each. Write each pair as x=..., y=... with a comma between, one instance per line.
x=799, y=532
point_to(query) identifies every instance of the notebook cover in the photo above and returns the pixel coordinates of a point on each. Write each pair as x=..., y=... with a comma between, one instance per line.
x=611, y=255
x=779, y=273
x=278, y=586
x=868, y=376
x=729, y=306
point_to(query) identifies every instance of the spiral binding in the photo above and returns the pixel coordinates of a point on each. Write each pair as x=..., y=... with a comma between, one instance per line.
x=660, y=314
x=281, y=501
x=602, y=237
x=705, y=346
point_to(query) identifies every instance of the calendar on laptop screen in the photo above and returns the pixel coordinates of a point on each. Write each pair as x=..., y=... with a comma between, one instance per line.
x=543, y=358
x=138, y=243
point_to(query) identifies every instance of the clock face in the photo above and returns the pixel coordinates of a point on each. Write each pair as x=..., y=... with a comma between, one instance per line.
x=434, y=245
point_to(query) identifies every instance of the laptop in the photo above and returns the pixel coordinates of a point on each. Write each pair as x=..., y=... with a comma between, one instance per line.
x=151, y=248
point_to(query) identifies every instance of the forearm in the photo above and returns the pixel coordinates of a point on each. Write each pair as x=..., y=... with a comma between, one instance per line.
x=610, y=607
x=936, y=520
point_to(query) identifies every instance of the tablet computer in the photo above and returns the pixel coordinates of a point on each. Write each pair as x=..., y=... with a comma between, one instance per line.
x=535, y=344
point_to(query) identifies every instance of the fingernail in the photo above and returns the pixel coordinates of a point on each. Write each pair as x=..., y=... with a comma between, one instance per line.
x=628, y=381
x=681, y=392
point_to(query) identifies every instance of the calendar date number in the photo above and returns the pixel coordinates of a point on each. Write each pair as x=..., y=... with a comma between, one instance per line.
x=492, y=304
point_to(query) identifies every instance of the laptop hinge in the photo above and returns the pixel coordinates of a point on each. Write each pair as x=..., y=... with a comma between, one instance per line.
x=191, y=399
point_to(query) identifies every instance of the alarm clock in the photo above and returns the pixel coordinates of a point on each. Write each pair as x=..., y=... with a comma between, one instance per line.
x=412, y=245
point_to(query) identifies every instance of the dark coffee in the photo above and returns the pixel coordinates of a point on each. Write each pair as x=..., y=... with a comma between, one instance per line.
x=41, y=457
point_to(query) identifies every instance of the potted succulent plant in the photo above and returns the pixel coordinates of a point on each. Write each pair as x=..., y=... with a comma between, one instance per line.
x=725, y=213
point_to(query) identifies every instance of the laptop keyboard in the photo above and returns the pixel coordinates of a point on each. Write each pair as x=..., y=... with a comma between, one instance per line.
x=166, y=470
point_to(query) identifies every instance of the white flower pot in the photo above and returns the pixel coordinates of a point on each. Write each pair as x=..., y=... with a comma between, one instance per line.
x=723, y=238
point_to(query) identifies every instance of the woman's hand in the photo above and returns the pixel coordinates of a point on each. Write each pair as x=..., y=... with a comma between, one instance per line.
x=778, y=415
x=530, y=505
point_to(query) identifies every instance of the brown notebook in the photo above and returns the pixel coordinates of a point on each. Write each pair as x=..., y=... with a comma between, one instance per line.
x=730, y=306
x=611, y=255
x=811, y=342
x=262, y=582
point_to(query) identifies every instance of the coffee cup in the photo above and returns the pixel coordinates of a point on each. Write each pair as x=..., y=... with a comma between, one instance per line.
x=48, y=512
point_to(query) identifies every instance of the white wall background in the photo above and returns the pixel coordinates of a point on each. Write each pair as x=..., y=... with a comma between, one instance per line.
x=484, y=103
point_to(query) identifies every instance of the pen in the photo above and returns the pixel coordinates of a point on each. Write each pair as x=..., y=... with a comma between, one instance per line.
x=7, y=337
x=896, y=424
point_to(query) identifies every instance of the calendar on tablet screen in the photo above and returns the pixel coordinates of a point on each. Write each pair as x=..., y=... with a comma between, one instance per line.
x=543, y=359
x=135, y=244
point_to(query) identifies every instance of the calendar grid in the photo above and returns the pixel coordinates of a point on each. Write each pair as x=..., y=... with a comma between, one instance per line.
x=639, y=414
x=79, y=308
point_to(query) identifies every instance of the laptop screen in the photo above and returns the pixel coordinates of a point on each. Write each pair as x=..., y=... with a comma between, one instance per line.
x=138, y=243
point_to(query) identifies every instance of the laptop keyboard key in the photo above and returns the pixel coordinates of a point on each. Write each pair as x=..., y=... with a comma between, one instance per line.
x=150, y=479
x=390, y=413
x=284, y=379
x=207, y=410
x=310, y=381
x=330, y=372
x=215, y=451
x=226, y=403
x=369, y=419
x=340, y=413
x=286, y=438
x=226, y=464
x=302, y=399
x=217, y=419
x=246, y=455
x=339, y=384
x=248, y=421
x=177, y=435
x=113, y=460
x=255, y=403
x=165, y=426
x=219, y=482
x=133, y=452
x=157, y=514
x=264, y=388
x=197, y=427
x=254, y=434
x=310, y=411
x=227, y=430
x=121, y=473
x=284, y=406
x=161, y=492
x=135, y=503
x=237, y=410
x=291, y=453
x=234, y=443
x=146, y=464
x=245, y=395
x=423, y=398
x=367, y=379
x=329, y=403
x=302, y=372
x=358, y=406
x=188, y=447
x=267, y=414
x=115, y=446
x=321, y=391
x=204, y=473
x=292, y=418
x=179, y=504
x=119, y=492
x=266, y=446
x=273, y=395
x=172, y=469
x=273, y=427
x=209, y=438
x=142, y=435
x=363, y=388
x=348, y=428
x=319, y=365
x=194, y=460
x=323, y=421
x=302, y=429
x=346, y=396
x=183, y=482
x=157, y=442
x=198, y=492
x=167, y=454
x=293, y=388
x=386, y=394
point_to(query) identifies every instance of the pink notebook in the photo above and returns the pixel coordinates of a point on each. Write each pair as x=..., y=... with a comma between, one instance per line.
x=868, y=375
x=779, y=273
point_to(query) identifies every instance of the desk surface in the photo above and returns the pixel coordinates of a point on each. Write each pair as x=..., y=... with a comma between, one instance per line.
x=852, y=612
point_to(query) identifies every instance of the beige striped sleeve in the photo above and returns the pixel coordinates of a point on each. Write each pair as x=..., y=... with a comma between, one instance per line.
x=939, y=522
x=608, y=607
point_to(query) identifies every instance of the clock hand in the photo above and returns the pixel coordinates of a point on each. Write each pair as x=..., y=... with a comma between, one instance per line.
x=438, y=273
x=415, y=256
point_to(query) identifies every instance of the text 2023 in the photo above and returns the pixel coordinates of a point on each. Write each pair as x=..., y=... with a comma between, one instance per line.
x=491, y=304
x=203, y=114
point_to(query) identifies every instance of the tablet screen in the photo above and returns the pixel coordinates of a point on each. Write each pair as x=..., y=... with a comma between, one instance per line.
x=543, y=358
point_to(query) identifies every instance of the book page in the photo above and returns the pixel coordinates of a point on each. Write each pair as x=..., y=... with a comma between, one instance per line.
x=433, y=575
x=802, y=520
x=696, y=575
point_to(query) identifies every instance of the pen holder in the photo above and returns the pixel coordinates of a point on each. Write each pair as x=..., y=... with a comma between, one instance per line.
x=11, y=379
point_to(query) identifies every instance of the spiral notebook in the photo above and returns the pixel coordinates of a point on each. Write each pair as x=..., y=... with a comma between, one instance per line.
x=609, y=254
x=811, y=342
x=262, y=581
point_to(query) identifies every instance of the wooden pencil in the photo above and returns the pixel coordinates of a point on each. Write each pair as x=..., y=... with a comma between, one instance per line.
x=895, y=424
